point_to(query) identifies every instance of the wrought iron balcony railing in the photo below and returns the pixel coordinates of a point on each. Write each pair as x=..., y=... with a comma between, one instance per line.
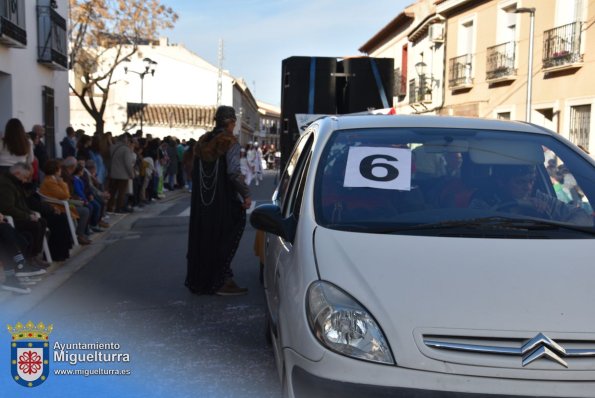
x=12, y=23
x=420, y=90
x=51, y=28
x=500, y=61
x=460, y=74
x=561, y=45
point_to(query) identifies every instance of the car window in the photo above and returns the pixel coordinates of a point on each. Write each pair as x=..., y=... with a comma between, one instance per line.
x=563, y=183
x=393, y=179
x=300, y=171
x=299, y=193
x=290, y=168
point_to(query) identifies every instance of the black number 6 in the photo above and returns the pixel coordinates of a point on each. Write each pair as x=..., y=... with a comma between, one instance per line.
x=366, y=166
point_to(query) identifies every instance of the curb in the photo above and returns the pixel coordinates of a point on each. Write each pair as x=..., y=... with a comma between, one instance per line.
x=13, y=304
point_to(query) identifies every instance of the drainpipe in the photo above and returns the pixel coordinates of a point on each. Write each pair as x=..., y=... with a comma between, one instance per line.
x=439, y=107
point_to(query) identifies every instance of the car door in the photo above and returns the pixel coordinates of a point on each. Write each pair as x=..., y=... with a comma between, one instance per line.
x=287, y=196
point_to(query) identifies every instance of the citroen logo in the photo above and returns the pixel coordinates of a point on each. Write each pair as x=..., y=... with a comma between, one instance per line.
x=542, y=346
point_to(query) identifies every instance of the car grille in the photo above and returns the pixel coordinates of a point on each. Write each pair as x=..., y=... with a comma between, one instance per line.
x=536, y=351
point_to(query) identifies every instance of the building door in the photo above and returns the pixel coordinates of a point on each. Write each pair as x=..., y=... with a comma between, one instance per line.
x=503, y=115
x=49, y=120
x=5, y=99
x=545, y=117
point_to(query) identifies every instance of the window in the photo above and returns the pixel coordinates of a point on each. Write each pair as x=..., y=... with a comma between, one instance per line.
x=281, y=193
x=51, y=29
x=563, y=182
x=289, y=201
x=12, y=23
x=437, y=175
x=506, y=31
x=580, y=125
x=466, y=40
x=461, y=67
x=503, y=116
x=295, y=202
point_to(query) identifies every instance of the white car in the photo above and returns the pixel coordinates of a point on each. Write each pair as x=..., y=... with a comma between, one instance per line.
x=431, y=256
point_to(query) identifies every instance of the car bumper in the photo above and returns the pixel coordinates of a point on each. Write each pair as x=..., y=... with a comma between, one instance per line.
x=338, y=376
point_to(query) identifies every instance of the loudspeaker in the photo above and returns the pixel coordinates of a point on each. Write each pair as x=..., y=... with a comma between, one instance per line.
x=366, y=83
x=308, y=86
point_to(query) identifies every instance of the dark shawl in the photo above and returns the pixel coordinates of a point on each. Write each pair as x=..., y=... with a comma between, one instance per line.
x=216, y=227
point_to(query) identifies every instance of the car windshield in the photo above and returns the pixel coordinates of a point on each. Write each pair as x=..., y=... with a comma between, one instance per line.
x=455, y=182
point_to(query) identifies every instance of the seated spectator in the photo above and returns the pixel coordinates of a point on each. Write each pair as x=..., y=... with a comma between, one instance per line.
x=60, y=239
x=13, y=202
x=53, y=186
x=15, y=273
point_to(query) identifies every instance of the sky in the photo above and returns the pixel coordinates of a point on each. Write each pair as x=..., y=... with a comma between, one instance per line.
x=259, y=34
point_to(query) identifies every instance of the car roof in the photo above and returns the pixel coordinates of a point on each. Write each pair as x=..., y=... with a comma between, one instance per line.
x=345, y=122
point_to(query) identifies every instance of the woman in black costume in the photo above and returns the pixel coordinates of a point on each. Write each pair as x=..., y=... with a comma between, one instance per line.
x=220, y=198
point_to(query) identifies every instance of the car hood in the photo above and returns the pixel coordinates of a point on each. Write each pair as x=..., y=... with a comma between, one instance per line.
x=420, y=286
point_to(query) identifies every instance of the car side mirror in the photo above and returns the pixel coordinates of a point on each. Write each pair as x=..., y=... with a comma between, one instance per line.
x=268, y=218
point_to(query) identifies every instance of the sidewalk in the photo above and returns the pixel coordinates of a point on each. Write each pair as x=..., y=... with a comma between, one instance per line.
x=60, y=272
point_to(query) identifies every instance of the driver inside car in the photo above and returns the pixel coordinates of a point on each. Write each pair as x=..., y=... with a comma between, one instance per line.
x=514, y=192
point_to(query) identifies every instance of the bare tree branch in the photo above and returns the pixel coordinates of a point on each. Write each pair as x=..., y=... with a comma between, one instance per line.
x=104, y=33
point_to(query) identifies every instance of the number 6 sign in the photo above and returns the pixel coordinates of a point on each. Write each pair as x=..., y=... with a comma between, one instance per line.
x=378, y=167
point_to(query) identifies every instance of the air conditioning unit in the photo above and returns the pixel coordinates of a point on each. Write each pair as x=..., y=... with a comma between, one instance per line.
x=436, y=33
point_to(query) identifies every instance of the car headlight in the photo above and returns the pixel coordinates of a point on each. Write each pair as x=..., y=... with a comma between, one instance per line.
x=345, y=326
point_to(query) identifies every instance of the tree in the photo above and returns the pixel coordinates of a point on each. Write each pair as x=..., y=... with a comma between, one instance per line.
x=103, y=34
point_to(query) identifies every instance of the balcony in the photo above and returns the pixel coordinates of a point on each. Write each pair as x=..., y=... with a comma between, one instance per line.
x=500, y=63
x=420, y=90
x=12, y=23
x=561, y=47
x=51, y=28
x=460, y=76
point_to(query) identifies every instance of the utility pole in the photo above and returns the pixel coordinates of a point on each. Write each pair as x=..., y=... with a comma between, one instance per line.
x=220, y=73
x=531, y=12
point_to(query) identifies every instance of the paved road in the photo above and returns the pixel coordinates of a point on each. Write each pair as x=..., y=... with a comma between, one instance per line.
x=130, y=292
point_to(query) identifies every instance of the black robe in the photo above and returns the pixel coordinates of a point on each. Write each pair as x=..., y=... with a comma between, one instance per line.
x=217, y=218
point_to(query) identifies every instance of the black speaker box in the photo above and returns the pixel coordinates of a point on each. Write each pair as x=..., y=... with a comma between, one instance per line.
x=365, y=83
x=308, y=86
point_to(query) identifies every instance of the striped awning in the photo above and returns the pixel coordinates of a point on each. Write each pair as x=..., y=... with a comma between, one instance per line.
x=181, y=116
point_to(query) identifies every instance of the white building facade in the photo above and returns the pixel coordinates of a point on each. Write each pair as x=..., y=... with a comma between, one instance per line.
x=415, y=39
x=33, y=64
x=270, y=119
x=178, y=99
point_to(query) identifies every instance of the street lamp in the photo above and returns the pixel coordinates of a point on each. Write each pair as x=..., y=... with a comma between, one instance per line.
x=149, y=69
x=531, y=12
x=420, y=69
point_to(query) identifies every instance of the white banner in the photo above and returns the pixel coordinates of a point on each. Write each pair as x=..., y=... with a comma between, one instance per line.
x=378, y=167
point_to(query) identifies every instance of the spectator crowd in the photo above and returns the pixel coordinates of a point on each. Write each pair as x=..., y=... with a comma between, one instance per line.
x=49, y=204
